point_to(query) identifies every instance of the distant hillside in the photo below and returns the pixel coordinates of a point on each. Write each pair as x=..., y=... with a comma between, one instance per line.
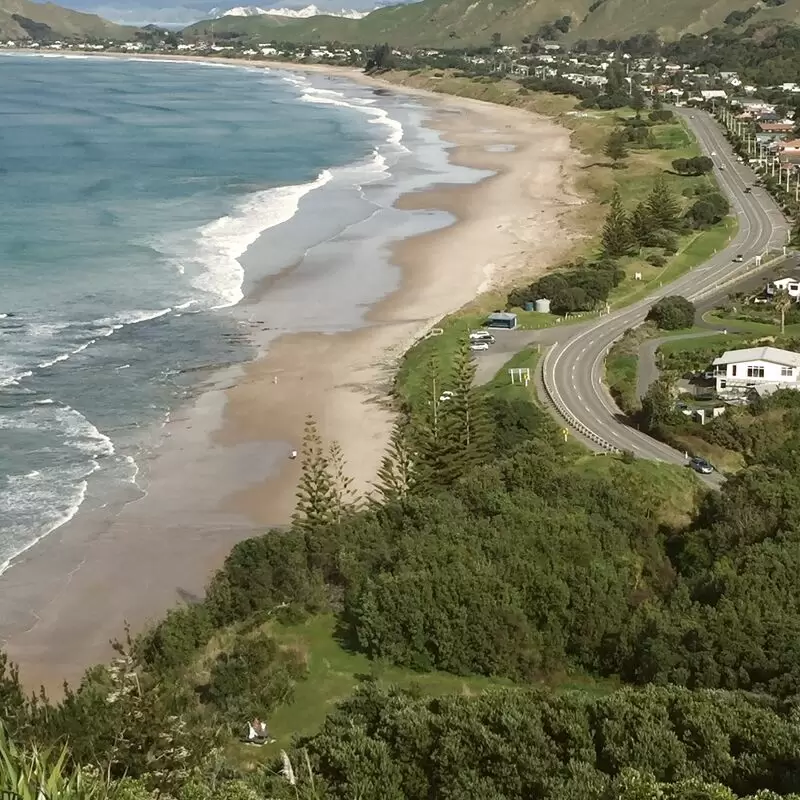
x=437, y=23
x=43, y=22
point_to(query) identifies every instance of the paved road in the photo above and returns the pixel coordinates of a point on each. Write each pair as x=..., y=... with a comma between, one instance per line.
x=573, y=368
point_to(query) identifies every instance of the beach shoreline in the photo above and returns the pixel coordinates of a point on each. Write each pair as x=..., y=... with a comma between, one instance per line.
x=222, y=472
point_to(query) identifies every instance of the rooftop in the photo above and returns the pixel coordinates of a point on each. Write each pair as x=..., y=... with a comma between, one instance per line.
x=772, y=354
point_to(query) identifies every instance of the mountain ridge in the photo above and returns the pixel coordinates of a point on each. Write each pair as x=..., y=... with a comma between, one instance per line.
x=24, y=20
x=454, y=23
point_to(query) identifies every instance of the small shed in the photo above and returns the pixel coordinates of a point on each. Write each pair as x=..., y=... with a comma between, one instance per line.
x=502, y=319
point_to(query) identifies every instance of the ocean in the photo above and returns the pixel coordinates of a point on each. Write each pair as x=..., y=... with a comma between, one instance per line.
x=129, y=193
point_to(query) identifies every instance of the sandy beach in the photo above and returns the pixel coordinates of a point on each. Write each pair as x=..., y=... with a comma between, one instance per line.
x=221, y=472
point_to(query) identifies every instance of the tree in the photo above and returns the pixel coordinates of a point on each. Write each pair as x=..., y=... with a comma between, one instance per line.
x=380, y=59
x=496, y=39
x=397, y=475
x=783, y=302
x=468, y=421
x=663, y=206
x=429, y=432
x=615, y=79
x=672, y=313
x=641, y=225
x=317, y=496
x=615, y=147
x=637, y=98
x=708, y=210
x=658, y=404
x=343, y=496
x=618, y=239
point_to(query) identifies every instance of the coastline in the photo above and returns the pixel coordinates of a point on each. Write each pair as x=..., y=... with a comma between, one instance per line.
x=221, y=473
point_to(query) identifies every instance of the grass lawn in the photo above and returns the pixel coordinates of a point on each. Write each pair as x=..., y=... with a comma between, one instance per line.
x=722, y=341
x=746, y=326
x=695, y=250
x=334, y=673
x=672, y=492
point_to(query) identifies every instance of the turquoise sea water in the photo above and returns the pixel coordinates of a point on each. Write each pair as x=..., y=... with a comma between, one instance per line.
x=128, y=192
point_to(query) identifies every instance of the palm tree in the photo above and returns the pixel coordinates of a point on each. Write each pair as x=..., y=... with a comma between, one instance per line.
x=783, y=302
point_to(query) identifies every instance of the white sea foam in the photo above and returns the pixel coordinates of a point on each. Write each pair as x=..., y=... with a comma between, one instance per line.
x=40, y=494
x=379, y=115
x=75, y=502
x=82, y=434
x=13, y=378
x=217, y=271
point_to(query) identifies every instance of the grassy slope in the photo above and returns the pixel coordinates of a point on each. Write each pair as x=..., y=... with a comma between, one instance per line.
x=63, y=21
x=452, y=23
x=334, y=673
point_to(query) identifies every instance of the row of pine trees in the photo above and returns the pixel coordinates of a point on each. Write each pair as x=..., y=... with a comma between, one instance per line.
x=625, y=233
x=429, y=448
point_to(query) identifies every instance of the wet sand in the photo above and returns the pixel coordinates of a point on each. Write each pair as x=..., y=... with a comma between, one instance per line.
x=222, y=472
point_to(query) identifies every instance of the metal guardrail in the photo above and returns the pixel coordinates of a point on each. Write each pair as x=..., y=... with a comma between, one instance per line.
x=568, y=416
x=586, y=432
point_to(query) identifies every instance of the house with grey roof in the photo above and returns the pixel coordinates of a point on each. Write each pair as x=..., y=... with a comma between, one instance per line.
x=761, y=369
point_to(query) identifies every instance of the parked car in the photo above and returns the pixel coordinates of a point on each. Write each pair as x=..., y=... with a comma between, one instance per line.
x=479, y=346
x=701, y=465
x=481, y=336
x=739, y=258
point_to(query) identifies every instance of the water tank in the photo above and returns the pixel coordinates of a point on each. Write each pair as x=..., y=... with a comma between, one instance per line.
x=543, y=305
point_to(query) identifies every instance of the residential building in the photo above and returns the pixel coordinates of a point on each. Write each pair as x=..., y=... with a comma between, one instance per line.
x=789, y=285
x=763, y=369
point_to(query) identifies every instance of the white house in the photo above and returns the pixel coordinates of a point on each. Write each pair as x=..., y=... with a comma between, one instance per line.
x=789, y=285
x=763, y=369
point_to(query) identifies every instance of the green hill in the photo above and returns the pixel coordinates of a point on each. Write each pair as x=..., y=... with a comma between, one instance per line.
x=437, y=23
x=26, y=20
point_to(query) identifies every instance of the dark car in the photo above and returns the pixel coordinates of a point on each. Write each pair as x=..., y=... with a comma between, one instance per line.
x=701, y=465
x=747, y=190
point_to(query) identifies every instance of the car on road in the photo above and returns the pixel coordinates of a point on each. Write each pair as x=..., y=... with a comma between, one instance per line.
x=739, y=258
x=701, y=465
x=747, y=190
x=479, y=346
x=481, y=336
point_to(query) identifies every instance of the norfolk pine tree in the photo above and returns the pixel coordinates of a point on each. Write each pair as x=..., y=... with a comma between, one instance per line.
x=663, y=206
x=316, y=492
x=397, y=476
x=428, y=431
x=618, y=239
x=469, y=427
x=641, y=225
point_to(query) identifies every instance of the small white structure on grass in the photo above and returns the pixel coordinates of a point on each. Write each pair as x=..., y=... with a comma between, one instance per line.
x=764, y=369
x=520, y=375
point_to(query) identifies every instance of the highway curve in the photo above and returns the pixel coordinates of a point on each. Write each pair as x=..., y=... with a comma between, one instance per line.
x=573, y=369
